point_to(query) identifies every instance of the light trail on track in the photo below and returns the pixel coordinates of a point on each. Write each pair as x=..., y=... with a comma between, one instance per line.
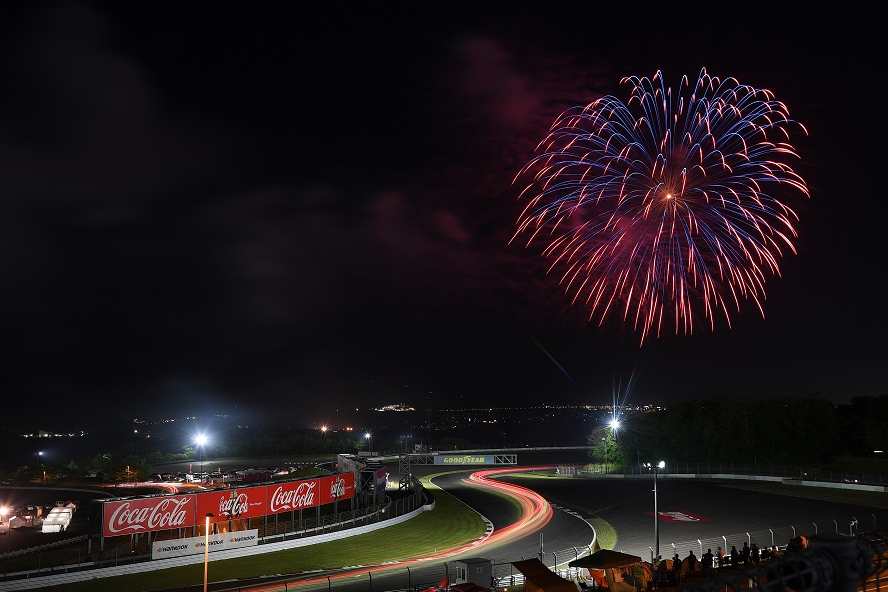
x=535, y=514
x=535, y=510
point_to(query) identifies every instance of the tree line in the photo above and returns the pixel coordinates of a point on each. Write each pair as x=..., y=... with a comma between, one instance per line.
x=122, y=456
x=804, y=429
x=785, y=430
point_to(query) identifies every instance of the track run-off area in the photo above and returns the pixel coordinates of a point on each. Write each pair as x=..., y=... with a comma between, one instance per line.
x=530, y=511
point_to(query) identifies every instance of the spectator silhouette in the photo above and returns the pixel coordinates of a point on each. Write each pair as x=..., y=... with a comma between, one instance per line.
x=692, y=564
x=793, y=577
x=707, y=561
x=797, y=544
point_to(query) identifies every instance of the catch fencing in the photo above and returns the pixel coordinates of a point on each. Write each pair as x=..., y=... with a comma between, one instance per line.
x=777, y=538
x=776, y=472
x=841, y=557
x=830, y=563
x=75, y=555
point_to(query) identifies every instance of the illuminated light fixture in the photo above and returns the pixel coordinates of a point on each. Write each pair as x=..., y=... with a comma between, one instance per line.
x=206, y=548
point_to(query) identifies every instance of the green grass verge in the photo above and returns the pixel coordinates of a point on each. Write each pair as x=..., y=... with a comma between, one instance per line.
x=604, y=533
x=449, y=525
x=548, y=474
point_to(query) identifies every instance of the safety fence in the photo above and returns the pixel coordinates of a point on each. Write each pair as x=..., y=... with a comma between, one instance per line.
x=787, y=472
x=80, y=554
x=777, y=538
x=817, y=570
x=830, y=563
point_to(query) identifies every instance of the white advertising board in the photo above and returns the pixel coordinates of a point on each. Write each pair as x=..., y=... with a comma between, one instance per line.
x=195, y=545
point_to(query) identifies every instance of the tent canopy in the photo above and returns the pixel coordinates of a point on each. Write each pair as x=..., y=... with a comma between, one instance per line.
x=605, y=558
x=539, y=578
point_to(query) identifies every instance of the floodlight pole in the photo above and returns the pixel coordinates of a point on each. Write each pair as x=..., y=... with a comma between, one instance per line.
x=200, y=442
x=656, y=518
x=659, y=466
x=656, y=562
x=605, y=452
x=613, y=425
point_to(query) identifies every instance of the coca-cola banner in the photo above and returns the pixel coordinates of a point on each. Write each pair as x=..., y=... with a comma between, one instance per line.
x=337, y=487
x=146, y=515
x=232, y=504
x=293, y=495
x=140, y=515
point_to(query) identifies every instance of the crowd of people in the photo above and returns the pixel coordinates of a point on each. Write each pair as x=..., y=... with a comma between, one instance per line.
x=640, y=576
x=749, y=555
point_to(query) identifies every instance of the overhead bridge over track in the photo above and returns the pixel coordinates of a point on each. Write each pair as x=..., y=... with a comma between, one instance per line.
x=481, y=458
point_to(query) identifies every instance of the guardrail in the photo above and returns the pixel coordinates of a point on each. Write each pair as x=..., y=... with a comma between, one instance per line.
x=36, y=567
x=834, y=562
x=788, y=473
x=830, y=563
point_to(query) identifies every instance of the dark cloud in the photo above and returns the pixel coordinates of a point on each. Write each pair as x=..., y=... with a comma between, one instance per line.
x=85, y=127
x=228, y=207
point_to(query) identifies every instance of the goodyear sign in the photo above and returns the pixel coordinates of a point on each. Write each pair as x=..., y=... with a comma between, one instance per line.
x=464, y=459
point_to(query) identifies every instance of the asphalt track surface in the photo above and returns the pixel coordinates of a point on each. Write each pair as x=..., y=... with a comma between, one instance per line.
x=726, y=509
x=722, y=509
x=560, y=531
x=517, y=534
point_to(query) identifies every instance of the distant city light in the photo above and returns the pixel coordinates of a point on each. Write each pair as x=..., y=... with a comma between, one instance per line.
x=398, y=407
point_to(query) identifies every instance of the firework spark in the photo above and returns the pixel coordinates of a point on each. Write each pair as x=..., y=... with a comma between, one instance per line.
x=668, y=205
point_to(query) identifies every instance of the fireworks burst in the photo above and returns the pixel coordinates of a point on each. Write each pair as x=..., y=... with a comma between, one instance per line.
x=665, y=206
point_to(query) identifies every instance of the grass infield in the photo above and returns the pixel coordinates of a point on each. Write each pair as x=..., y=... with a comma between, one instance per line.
x=450, y=524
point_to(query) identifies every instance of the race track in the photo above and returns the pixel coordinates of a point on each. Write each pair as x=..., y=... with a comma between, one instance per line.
x=692, y=509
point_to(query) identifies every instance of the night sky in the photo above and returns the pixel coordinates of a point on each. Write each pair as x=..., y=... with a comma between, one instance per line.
x=214, y=207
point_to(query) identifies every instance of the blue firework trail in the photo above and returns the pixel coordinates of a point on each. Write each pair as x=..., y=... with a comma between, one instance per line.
x=554, y=361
